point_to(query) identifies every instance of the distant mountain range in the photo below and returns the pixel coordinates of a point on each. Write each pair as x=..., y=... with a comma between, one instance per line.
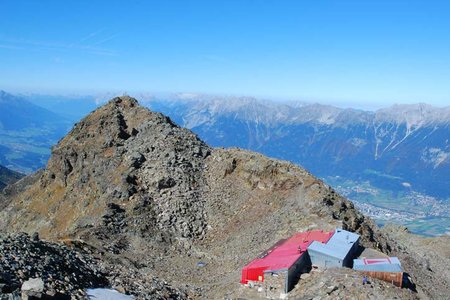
x=129, y=187
x=8, y=177
x=27, y=131
x=402, y=147
x=394, y=163
x=72, y=108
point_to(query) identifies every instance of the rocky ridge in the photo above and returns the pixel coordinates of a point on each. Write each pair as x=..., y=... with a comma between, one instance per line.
x=150, y=197
x=389, y=147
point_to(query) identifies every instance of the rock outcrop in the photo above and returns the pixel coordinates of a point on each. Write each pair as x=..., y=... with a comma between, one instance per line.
x=151, y=199
x=32, y=289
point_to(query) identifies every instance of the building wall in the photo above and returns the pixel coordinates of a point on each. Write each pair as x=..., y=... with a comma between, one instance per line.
x=281, y=282
x=252, y=274
x=275, y=283
x=324, y=261
x=302, y=265
x=348, y=260
x=396, y=278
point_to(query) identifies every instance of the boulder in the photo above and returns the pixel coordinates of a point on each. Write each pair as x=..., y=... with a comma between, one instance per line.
x=32, y=288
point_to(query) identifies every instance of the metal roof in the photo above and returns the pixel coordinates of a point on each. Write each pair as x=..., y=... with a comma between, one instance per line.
x=384, y=264
x=284, y=254
x=338, y=245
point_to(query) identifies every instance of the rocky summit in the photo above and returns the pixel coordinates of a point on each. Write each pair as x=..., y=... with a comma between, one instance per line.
x=166, y=216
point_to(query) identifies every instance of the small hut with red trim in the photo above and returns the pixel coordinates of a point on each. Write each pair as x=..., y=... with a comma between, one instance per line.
x=386, y=268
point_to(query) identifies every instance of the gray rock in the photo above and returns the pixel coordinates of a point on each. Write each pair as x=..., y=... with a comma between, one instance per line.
x=305, y=275
x=331, y=289
x=32, y=288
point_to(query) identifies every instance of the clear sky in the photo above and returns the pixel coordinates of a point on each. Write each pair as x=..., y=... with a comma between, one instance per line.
x=342, y=51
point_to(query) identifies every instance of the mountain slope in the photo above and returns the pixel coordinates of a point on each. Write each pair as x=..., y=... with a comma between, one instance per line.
x=149, y=195
x=8, y=177
x=407, y=142
x=395, y=162
x=124, y=152
x=27, y=132
x=17, y=114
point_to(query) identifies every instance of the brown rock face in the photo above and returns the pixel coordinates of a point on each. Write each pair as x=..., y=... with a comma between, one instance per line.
x=121, y=167
x=149, y=194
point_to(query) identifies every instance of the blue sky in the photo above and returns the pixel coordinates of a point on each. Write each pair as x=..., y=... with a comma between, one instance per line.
x=374, y=52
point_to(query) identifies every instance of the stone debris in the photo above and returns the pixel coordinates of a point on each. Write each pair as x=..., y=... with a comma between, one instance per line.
x=35, y=267
x=33, y=287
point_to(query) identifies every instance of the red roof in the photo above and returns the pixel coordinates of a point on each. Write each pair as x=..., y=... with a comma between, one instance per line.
x=283, y=255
